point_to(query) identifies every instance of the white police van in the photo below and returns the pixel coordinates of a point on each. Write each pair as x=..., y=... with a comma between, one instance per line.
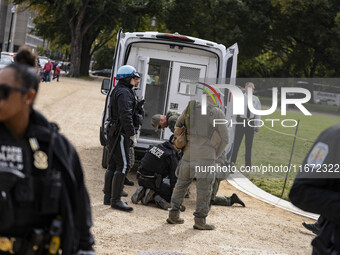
x=170, y=65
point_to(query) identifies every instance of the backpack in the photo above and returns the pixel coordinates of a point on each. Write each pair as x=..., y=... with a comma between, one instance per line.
x=180, y=137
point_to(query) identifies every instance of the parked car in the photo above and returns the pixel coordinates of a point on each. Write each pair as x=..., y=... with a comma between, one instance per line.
x=9, y=55
x=104, y=72
x=42, y=61
x=5, y=61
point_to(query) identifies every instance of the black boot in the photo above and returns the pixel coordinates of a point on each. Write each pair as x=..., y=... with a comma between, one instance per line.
x=128, y=182
x=117, y=188
x=107, y=186
x=315, y=227
x=237, y=200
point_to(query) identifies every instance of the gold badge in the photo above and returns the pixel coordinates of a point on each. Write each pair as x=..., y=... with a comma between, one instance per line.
x=40, y=160
x=6, y=244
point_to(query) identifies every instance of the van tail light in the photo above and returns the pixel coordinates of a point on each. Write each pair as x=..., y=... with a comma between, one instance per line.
x=175, y=37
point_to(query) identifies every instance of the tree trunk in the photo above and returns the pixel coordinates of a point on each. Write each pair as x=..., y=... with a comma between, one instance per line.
x=86, y=55
x=77, y=36
x=76, y=48
x=85, y=58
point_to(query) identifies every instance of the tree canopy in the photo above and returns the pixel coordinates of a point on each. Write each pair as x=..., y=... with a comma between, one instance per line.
x=277, y=38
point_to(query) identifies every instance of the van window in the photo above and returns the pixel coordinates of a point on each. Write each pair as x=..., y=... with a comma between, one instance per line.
x=187, y=77
x=229, y=68
x=155, y=94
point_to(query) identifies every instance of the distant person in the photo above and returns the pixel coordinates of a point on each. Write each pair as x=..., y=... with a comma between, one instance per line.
x=316, y=189
x=243, y=129
x=41, y=72
x=57, y=73
x=47, y=71
x=55, y=64
x=159, y=121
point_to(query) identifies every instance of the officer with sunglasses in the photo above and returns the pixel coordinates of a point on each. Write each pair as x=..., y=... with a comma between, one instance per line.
x=44, y=204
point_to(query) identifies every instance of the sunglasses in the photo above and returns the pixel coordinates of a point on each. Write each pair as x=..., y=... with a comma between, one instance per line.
x=5, y=91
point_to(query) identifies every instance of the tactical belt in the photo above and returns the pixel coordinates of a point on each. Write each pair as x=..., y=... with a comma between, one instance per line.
x=37, y=242
x=11, y=244
x=157, y=178
x=143, y=176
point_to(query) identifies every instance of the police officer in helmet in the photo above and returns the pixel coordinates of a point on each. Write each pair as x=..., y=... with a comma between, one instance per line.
x=44, y=204
x=121, y=135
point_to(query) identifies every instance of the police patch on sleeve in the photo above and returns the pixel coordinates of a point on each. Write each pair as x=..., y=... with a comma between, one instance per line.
x=318, y=154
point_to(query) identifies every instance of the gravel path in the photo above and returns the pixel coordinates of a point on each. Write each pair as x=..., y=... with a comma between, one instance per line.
x=76, y=106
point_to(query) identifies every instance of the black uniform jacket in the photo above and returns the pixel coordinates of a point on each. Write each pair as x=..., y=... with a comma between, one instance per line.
x=75, y=207
x=122, y=105
x=317, y=188
x=161, y=159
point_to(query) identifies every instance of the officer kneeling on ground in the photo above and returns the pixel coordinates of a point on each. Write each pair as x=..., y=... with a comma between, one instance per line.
x=44, y=205
x=159, y=162
x=121, y=135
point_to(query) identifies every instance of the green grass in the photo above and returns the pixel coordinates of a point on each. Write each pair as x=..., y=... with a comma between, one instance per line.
x=317, y=108
x=271, y=148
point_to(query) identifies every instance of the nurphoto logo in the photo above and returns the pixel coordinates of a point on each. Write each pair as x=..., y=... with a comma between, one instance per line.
x=238, y=103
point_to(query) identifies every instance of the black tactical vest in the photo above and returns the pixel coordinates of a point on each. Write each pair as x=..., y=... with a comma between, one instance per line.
x=156, y=160
x=30, y=188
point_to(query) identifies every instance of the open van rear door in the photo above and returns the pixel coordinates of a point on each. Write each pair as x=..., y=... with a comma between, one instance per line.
x=142, y=68
x=230, y=78
x=112, y=83
x=183, y=87
x=102, y=134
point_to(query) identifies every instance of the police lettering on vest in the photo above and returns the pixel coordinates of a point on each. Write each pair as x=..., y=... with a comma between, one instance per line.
x=156, y=151
x=11, y=157
x=158, y=159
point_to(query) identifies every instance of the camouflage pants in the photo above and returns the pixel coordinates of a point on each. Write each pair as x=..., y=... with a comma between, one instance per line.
x=219, y=200
x=185, y=173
